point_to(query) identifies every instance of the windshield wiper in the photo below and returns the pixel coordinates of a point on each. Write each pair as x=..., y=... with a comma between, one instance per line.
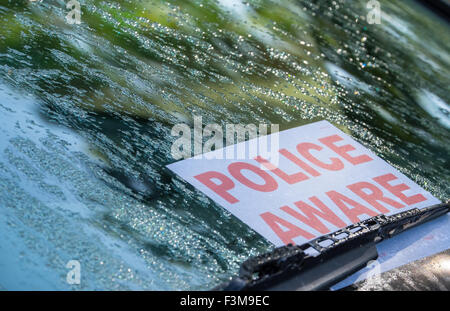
x=337, y=255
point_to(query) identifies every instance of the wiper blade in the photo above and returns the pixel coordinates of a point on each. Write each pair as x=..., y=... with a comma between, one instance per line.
x=337, y=255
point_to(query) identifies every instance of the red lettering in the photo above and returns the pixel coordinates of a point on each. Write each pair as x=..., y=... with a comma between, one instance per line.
x=290, y=179
x=352, y=213
x=304, y=148
x=293, y=231
x=398, y=189
x=373, y=197
x=236, y=169
x=344, y=150
x=310, y=213
x=222, y=188
x=299, y=162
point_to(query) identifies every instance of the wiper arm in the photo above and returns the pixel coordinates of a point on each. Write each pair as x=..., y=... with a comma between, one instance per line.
x=338, y=255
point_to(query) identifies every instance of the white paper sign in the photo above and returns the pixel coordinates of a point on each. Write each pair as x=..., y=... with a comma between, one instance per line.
x=317, y=181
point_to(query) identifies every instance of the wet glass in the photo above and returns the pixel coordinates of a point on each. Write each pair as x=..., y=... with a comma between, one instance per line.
x=86, y=112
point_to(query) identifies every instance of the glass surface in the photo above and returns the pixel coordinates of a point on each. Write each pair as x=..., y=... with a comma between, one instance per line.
x=86, y=113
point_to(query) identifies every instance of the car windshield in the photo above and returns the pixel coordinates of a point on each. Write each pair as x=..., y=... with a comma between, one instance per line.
x=88, y=102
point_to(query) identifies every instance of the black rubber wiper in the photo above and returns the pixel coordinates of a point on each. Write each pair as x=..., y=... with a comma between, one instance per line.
x=336, y=255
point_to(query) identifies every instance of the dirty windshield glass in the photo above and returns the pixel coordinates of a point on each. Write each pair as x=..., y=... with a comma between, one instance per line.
x=88, y=100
